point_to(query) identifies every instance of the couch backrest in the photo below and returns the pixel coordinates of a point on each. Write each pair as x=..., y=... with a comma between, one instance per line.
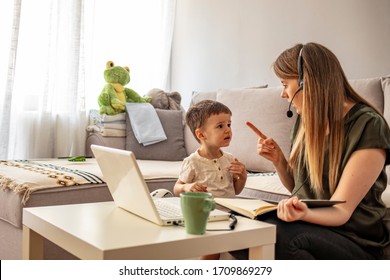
x=267, y=110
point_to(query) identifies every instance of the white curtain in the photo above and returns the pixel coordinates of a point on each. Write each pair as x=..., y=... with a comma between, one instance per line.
x=55, y=52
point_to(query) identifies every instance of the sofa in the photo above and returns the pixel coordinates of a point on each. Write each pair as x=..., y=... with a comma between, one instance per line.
x=160, y=163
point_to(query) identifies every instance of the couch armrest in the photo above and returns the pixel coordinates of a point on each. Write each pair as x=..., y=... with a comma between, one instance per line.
x=97, y=139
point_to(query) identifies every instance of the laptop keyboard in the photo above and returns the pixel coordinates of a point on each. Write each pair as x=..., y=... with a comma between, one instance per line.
x=167, y=210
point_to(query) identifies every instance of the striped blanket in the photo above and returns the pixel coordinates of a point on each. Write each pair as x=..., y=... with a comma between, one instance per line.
x=25, y=176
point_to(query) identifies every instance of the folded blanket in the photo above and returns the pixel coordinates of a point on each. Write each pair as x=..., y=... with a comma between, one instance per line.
x=145, y=123
x=96, y=118
x=114, y=118
x=106, y=132
x=110, y=132
x=120, y=125
x=24, y=177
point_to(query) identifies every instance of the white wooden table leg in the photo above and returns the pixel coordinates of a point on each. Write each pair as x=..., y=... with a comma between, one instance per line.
x=32, y=245
x=266, y=252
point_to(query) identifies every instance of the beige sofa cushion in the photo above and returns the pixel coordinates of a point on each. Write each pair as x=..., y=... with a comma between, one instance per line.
x=267, y=110
x=385, y=83
x=371, y=89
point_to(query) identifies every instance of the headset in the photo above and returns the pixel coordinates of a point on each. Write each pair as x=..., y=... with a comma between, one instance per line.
x=300, y=82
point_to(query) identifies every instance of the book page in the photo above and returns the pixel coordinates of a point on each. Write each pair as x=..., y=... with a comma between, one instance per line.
x=247, y=207
x=267, y=182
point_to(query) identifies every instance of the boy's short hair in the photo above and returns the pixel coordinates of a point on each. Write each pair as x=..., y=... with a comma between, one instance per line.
x=198, y=113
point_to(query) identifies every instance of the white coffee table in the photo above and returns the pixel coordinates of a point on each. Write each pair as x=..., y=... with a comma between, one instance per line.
x=103, y=231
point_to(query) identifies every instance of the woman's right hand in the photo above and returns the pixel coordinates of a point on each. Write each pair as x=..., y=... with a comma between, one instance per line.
x=267, y=147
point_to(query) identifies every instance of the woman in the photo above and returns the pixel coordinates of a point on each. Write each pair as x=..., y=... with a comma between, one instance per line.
x=340, y=146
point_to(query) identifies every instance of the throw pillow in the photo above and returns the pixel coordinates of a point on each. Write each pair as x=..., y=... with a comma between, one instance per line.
x=171, y=149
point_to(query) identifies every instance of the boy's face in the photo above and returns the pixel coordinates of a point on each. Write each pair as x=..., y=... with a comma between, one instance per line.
x=217, y=131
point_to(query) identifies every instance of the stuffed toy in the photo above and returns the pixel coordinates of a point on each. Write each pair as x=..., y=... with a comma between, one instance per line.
x=112, y=100
x=164, y=100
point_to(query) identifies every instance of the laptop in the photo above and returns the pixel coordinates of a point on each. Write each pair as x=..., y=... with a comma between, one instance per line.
x=130, y=191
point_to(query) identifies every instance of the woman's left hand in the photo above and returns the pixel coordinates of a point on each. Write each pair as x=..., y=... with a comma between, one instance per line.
x=292, y=209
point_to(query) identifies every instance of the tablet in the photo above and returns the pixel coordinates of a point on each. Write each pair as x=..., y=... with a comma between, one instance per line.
x=313, y=203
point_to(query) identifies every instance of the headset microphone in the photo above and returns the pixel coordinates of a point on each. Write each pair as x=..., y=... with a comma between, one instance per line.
x=289, y=112
x=300, y=82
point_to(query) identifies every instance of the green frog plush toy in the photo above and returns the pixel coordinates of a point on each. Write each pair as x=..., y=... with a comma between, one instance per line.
x=112, y=100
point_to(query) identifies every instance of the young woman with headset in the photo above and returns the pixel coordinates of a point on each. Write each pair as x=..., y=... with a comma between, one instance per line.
x=340, y=146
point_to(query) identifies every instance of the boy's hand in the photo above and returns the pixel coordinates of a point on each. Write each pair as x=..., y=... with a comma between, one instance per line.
x=238, y=169
x=195, y=187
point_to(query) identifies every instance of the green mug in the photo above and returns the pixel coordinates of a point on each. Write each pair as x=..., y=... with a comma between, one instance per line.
x=196, y=207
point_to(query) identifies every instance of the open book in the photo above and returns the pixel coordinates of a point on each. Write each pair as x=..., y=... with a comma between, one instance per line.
x=250, y=208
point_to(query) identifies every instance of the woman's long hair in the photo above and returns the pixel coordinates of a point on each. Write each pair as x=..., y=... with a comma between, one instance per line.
x=325, y=90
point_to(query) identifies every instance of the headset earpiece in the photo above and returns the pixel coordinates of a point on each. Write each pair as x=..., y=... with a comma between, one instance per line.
x=300, y=68
x=300, y=82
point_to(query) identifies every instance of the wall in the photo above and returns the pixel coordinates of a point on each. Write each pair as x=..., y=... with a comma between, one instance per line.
x=232, y=43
